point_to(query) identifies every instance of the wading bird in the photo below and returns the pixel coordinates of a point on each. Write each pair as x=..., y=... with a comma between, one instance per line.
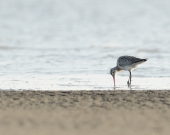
x=127, y=63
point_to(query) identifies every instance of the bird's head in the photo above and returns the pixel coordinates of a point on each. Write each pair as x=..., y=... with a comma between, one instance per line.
x=113, y=71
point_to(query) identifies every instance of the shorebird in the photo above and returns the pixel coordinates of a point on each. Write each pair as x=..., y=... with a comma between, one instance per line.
x=127, y=63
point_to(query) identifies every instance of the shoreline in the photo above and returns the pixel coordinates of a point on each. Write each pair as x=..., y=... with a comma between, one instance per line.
x=85, y=112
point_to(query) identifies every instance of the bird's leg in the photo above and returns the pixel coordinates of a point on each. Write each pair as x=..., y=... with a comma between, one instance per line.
x=130, y=77
x=129, y=81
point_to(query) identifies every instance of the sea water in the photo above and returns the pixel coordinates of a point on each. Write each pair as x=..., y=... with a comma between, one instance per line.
x=73, y=44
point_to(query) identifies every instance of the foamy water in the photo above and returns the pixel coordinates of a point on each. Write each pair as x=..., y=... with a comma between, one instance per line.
x=72, y=44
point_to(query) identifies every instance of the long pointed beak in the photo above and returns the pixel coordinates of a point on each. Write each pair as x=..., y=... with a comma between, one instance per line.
x=114, y=81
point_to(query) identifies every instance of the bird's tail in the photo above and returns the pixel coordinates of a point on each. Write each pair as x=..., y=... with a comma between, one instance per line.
x=141, y=61
x=144, y=60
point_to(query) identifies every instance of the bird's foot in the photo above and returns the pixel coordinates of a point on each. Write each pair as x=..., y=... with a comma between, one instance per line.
x=128, y=83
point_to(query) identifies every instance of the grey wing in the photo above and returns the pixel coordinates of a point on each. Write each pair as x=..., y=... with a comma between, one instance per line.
x=127, y=60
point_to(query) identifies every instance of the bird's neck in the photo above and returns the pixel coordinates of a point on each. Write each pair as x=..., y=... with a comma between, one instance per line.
x=117, y=69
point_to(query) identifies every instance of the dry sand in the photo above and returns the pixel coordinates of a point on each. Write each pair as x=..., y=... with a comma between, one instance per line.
x=84, y=112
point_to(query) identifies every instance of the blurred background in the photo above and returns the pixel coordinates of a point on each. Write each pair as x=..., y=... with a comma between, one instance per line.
x=73, y=44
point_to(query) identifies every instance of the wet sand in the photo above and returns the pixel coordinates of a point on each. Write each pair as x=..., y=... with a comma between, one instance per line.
x=84, y=112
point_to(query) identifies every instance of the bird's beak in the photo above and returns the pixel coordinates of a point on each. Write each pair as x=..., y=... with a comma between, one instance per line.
x=114, y=81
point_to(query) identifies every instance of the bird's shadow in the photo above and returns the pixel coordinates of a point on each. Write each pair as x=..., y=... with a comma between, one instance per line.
x=124, y=88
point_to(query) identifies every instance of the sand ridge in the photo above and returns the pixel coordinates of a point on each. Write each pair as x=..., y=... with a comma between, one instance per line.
x=84, y=112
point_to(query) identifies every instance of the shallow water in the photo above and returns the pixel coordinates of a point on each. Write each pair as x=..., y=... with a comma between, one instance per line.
x=72, y=44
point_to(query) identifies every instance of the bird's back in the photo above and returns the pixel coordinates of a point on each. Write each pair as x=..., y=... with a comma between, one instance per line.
x=129, y=62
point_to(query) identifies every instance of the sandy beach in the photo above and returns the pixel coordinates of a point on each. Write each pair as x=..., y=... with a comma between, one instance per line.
x=84, y=112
